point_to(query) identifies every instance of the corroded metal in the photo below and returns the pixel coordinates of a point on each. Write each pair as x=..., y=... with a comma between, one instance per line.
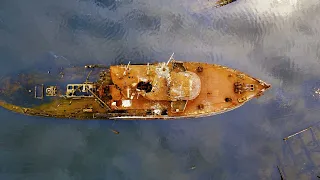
x=167, y=90
x=224, y=2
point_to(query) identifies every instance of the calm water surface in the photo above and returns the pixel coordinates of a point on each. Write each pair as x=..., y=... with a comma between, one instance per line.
x=274, y=40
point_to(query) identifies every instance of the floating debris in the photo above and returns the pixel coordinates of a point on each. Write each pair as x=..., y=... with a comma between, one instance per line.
x=317, y=92
x=114, y=131
x=224, y=2
x=286, y=138
x=280, y=172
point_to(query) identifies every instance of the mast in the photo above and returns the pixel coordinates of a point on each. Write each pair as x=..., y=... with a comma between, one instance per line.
x=126, y=69
x=170, y=59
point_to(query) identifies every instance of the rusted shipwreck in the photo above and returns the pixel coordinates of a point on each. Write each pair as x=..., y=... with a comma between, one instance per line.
x=165, y=90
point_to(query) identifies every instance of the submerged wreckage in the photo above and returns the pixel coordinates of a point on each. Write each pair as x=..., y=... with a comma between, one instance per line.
x=220, y=3
x=167, y=90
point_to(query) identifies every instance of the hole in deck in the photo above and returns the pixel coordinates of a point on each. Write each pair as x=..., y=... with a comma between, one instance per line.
x=200, y=106
x=146, y=86
x=228, y=99
x=199, y=69
x=164, y=112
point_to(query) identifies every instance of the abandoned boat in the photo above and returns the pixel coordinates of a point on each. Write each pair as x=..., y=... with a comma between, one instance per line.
x=165, y=90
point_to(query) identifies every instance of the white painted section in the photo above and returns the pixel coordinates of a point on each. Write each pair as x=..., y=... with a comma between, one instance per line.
x=157, y=111
x=162, y=70
x=192, y=82
x=126, y=103
x=142, y=79
x=71, y=88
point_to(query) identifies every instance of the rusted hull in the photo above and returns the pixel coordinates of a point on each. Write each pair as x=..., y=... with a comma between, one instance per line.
x=99, y=116
x=168, y=90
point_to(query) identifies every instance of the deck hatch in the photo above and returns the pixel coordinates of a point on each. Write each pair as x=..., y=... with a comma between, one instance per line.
x=38, y=91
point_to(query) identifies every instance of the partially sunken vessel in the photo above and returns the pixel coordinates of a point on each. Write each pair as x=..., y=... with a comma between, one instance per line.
x=166, y=90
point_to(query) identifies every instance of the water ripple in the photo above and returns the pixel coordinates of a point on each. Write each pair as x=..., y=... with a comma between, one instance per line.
x=110, y=4
x=107, y=29
x=142, y=21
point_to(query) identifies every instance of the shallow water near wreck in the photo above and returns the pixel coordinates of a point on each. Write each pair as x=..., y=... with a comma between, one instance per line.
x=276, y=41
